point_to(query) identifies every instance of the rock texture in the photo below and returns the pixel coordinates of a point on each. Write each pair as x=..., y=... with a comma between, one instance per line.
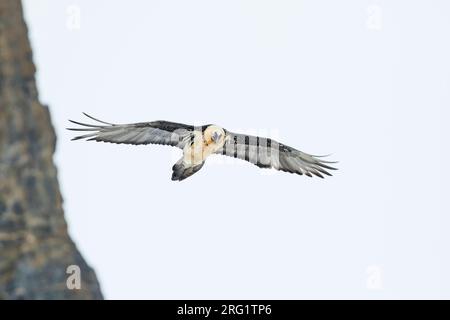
x=35, y=248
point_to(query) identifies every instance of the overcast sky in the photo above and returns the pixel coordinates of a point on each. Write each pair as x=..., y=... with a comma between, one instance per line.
x=367, y=81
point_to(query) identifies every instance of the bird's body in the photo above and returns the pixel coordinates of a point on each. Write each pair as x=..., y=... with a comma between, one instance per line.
x=203, y=145
x=198, y=143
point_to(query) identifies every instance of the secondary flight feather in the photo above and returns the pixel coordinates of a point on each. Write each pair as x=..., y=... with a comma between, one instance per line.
x=199, y=142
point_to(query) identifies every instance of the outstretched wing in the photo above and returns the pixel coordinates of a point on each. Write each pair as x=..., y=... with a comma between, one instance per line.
x=156, y=132
x=268, y=153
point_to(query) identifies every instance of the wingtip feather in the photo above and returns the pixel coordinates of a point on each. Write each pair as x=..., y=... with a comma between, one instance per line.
x=95, y=119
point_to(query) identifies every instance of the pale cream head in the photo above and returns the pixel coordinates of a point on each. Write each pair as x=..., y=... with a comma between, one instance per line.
x=214, y=135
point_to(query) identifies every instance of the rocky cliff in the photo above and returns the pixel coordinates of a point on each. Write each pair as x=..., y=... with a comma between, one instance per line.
x=35, y=249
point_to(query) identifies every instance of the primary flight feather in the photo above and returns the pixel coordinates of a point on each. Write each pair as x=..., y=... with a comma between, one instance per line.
x=199, y=142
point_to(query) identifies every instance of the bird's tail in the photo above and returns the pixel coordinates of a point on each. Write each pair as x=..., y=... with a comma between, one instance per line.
x=181, y=171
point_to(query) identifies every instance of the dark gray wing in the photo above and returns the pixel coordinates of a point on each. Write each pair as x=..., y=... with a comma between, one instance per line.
x=268, y=153
x=156, y=132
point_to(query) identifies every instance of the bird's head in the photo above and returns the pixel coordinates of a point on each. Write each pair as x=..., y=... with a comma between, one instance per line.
x=214, y=134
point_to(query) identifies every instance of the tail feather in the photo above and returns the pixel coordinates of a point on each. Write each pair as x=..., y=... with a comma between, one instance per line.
x=181, y=171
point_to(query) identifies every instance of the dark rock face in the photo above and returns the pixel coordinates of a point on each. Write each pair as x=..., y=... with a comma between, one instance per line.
x=35, y=249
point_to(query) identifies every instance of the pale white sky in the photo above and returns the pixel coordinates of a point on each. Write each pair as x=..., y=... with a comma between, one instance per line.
x=365, y=80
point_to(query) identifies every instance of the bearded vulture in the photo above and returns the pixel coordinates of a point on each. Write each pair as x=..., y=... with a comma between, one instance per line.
x=199, y=142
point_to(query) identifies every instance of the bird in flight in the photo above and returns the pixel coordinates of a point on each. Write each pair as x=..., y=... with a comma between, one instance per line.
x=199, y=142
